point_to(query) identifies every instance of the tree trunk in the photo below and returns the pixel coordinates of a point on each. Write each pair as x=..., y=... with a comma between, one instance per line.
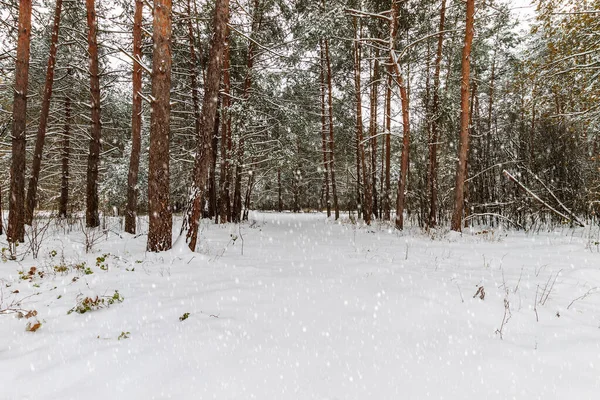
x=373, y=133
x=212, y=178
x=225, y=177
x=387, y=198
x=360, y=147
x=331, y=138
x=159, y=208
x=324, y=131
x=136, y=122
x=279, y=198
x=204, y=152
x=248, y=196
x=41, y=133
x=92, y=219
x=1, y=213
x=16, y=228
x=463, y=145
x=395, y=68
x=467, y=200
x=237, y=197
x=433, y=167
x=64, y=180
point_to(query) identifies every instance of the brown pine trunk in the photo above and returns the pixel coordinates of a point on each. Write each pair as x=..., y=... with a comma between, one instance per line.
x=360, y=204
x=360, y=147
x=279, y=198
x=248, y=196
x=16, y=228
x=64, y=179
x=373, y=132
x=433, y=167
x=395, y=68
x=136, y=122
x=41, y=133
x=324, y=131
x=92, y=219
x=387, y=198
x=225, y=177
x=331, y=137
x=467, y=206
x=203, y=160
x=489, y=176
x=463, y=144
x=159, y=207
x=212, y=178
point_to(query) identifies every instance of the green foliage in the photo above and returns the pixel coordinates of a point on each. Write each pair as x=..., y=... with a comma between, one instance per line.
x=124, y=335
x=96, y=303
x=184, y=316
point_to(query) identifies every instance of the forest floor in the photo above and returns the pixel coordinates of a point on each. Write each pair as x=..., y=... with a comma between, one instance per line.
x=294, y=306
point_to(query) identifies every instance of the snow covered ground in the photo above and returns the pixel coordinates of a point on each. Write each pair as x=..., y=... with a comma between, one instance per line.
x=298, y=307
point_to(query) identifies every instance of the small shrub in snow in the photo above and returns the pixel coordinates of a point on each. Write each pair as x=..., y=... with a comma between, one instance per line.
x=101, y=262
x=32, y=327
x=184, y=316
x=124, y=335
x=480, y=293
x=96, y=303
x=31, y=274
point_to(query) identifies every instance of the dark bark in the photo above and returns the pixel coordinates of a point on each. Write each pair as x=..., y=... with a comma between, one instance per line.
x=16, y=227
x=360, y=146
x=395, y=69
x=204, y=154
x=331, y=136
x=64, y=179
x=159, y=209
x=45, y=111
x=92, y=218
x=435, y=111
x=387, y=196
x=136, y=123
x=212, y=178
x=324, y=132
x=463, y=144
x=279, y=198
x=373, y=133
x=226, y=145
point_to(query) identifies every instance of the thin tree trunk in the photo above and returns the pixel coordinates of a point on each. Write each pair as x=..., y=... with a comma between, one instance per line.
x=41, y=133
x=435, y=111
x=136, y=122
x=360, y=147
x=159, y=207
x=248, y=196
x=373, y=132
x=64, y=180
x=1, y=213
x=237, y=197
x=463, y=145
x=468, y=194
x=92, y=218
x=395, y=68
x=279, y=198
x=387, y=198
x=204, y=152
x=331, y=137
x=225, y=177
x=16, y=228
x=324, y=131
x=212, y=179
